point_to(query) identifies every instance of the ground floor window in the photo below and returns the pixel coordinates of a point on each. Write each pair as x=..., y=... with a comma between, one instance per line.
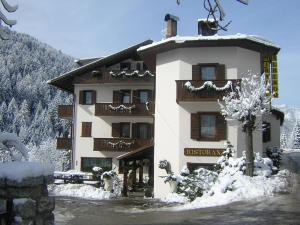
x=195, y=166
x=87, y=163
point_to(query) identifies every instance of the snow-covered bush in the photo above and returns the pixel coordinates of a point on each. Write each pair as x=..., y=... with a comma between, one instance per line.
x=275, y=155
x=111, y=176
x=97, y=172
x=193, y=185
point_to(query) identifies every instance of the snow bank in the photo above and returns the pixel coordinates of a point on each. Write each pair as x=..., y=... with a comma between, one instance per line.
x=79, y=191
x=18, y=171
x=243, y=188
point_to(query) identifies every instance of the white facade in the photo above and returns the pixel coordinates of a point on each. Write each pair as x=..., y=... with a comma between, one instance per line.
x=101, y=125
x=173, y=120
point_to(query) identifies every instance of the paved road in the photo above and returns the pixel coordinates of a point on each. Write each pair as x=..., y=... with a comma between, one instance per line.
x=282, y=210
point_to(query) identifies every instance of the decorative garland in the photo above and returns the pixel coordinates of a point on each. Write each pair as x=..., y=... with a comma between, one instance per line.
x=207, y=85
x=134, y=73
x=121, y=108
x=121, y=144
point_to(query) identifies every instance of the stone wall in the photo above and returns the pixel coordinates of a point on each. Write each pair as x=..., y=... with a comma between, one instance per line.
x=28, y=201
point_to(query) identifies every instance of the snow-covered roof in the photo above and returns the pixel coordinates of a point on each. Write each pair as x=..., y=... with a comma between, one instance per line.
x=183, y=39
x=64, y=80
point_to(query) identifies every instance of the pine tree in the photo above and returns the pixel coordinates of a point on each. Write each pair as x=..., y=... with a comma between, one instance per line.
x=12, y=111
x=3, y=115
x=283, y=141
x=296, y=142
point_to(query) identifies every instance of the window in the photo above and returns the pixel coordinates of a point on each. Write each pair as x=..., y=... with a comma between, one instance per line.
x=87, y=97
x=125, y=130
x=143, y=131
x=208, y=72
x=125, y=66
x=86, y=129
x=266, y=132
x=126, y=96
x=144, y=96
x=208, y=126
x=87, y=164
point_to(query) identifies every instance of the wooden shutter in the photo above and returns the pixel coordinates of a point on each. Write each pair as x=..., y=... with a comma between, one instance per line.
x=86, y=130
x=221, y=126
x=195, y=126
x=196, y=72
x=94, y=97
x=136, y=96
x=135, y=130
x=151, y=130
x=81, y=97
x=220, y=72
x=116, y=129
x=150, y=94
x=117, y=97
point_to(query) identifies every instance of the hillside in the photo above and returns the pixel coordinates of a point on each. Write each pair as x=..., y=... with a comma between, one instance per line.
x=28, y=105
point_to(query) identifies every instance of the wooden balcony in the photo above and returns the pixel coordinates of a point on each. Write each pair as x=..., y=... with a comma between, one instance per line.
x=117, y=77
x=64, y=143
x=187, y=90
x=120, y=144
x=65, y=111
x=120, y=109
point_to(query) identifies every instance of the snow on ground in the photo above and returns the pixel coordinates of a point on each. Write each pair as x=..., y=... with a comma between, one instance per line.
x=79, y=191
x=291, y=150
x=20, y=170
x=243, y=188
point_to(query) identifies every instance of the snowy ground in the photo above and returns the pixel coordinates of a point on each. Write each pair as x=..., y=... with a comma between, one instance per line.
x=245, y=188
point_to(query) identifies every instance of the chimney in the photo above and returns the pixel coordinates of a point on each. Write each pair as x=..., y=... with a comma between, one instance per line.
x=207, y=27
x=171, y=25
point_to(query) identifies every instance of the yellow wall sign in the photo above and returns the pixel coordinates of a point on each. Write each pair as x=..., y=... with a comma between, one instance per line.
x=271, y=73
x=203, y=152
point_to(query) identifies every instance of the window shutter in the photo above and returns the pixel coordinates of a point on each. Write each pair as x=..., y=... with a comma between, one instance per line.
x=117, y=97
x=151, y=130
x=135, y=96
x=221, y=124
x=115, y=129
x=134, y=130
x=94, y=97
x=86, y=130
x=221, y=72
x=196, y=72
x=266, y=132
x=195, y=126
x=150, y=93
x=81, y=97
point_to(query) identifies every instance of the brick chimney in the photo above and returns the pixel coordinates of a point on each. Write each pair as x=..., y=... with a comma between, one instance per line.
x=207, y=27
x=171, y=25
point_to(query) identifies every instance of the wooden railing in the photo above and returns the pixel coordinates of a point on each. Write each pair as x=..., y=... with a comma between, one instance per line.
x=65, y=111
x=120, y=144
x=184, y=94
x=64, y=143
x=122, y=109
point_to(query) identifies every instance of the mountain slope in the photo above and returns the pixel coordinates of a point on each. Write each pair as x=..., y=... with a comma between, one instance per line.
x=28, y=105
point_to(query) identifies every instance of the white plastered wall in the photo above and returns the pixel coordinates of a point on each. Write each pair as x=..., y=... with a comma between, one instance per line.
x=101, y=126
x=172, y=120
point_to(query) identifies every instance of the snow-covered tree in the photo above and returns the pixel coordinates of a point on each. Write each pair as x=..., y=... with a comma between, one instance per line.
x=283, y=141
x=245, y=104
x=296, y=136
x=46, y=153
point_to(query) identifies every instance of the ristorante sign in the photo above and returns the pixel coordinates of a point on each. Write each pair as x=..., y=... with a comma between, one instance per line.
x=203, y=152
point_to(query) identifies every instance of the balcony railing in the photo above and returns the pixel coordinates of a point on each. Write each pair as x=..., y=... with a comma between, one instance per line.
x=199, y=90
x=64, y=143
x=122, y=109
x=65, y=111
x=122, y=76
x=120, y=144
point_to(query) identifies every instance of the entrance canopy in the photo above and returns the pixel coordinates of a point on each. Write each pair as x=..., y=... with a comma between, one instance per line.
x=146, y=152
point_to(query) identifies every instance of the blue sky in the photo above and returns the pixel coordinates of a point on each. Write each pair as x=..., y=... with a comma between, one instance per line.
x=90, y=28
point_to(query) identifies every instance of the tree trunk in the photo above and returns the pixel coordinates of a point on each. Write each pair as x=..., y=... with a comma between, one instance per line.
x=249, y=151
